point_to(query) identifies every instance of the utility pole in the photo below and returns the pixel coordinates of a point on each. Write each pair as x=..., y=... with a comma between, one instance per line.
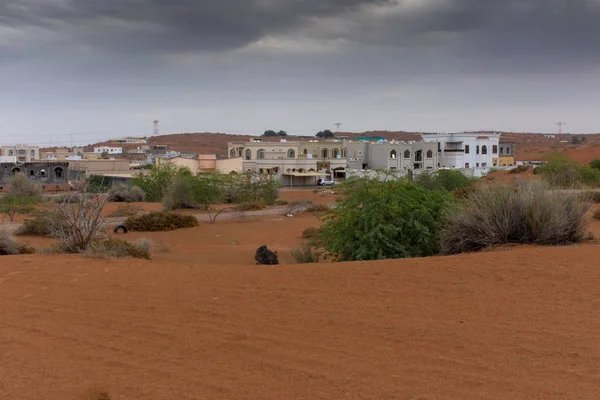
x=560, y=127
x=337, y=126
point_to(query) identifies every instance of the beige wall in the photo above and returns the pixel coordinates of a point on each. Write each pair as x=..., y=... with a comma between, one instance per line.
x=99, y=167
x=227, y=165
x=206, y=163
x=325, y=150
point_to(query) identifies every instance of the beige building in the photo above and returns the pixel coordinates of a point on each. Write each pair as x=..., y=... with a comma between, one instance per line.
x=206, y=163
x=21, y=152
x=66, y=154
x=101, y=167
x=294, y=163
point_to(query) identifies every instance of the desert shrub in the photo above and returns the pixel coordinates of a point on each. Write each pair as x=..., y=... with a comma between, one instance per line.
x=310, y=233
x=123, y=193
x=281, y=202
x=379, y=220
x=519, y=169
x=8, y=246
x=305, y=254
x=66, y=198
x=595, y=163
x=78, y=224
x=97, y=184
x=448, y=180
x=180, y=195
x=26, y=249
x=532, y=213
x=156, y=183
x=38, y=226
x=118, y=248
x=591, y=196
x=464, y=192
x=596, y=214
x=562, y=172
x=317, y=208
x=264, y=256
x=158, y=221
x=21, y=186
x=126, y=210
x=251, y=206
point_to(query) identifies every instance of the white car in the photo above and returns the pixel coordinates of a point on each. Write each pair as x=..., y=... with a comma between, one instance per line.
x=325, y=182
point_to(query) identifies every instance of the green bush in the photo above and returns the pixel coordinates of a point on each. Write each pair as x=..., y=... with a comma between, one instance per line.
x=281, y=203
x=180, y=195
x=118, y=248
x=531, y=213
x=157, y=221
x=379, y=220
x=156, y=183
x=97, y=184
x=562, y=172
x=318, y=208
x=122, y=193
x=595, y=163
x=444, y=179
x=306, y=254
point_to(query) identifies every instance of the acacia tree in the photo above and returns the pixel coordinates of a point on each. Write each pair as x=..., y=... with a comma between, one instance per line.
x=157, y=182
x=11, y=204
x=326, y=134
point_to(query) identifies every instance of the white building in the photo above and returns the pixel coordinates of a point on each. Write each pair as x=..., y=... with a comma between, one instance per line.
x=108, y=150
x=475, y=151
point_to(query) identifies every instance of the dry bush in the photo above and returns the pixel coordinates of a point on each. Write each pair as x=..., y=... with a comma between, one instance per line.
x=280, y=202
x=591, y=196
x=310, y=233
x=24, y=248
x=235, y=213
x=519, y=169
x=158, y=221
x=180, y=195
x=119, y=248
x=126, y=210
x=297, y=207
x=38, y=226
x=251, y=206
x=317, y=208
x=464, y=192
x=78, y=224
x=123, y=193
x=532, y=213
x=8, y=245
x=306, y=254
x=20, y=185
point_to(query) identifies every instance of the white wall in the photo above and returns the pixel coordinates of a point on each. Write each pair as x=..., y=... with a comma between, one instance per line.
x=461, y=159
x=108, y=149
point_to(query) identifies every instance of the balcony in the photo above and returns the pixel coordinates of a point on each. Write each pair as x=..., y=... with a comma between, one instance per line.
x=454, y=150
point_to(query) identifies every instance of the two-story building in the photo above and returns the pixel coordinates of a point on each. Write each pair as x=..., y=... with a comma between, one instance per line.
x=507, y=154
x=52, y=176
x=21, y=153
x=294, y=163
x=110, y=150
x=466, y=151
x=405, y=157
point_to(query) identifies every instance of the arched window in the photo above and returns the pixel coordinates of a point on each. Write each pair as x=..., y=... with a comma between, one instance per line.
x=260, y=155
x=291, y=153
x=335, y=153
x=407, y=154
x=305, y=151
x=484, y=149
x=393, y=154
x=494, y=149
x=477, y=150
x=248, y=155
x=58, y=172
x=16, y=171
x=32, y=173
x=429, y=154
x=43, y=172
x=232, y=153
x=325, y=153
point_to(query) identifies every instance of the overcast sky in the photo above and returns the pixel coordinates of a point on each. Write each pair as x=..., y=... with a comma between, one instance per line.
x=108, y=68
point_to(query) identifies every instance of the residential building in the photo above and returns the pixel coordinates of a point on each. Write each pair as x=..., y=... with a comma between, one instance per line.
x=475, y=151
x=110, y=150
x=405, y=157
x=53, y=176
x=507, y=154
x=293, y=163
x=131, y=140
x=66, y=154
x=100, y=167
x=206, y=163
x=22, y=152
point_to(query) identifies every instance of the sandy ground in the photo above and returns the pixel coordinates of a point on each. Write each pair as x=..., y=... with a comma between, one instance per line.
x=520, y=325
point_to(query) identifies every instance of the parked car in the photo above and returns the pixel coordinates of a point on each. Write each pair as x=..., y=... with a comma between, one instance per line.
x=325, y=182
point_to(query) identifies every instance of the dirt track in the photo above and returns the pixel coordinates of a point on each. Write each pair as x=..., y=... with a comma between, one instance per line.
x=519, y=324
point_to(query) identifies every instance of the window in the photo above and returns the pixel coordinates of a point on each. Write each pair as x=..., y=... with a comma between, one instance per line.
x=484, y=165
x=32, y=173
x=291, y=153
x=393, y=154
x=11, y=153
x=16, y=171
x=501, y=150
x=32, y=152
x=429, y=154
x=58, y=172
x=477, y=150
x=467, y=149
x=43, y=172
x=484, y=149
x=260, y=155
x=407, y=154
x=325, y=153
x=418, y=155
x=232, y=153
x=360, y=153
x=344, y=153
x=439, y=147
x=335, y=153
x=494, y=149
x=467, y=165
x=305, y=151
x=477, y=165
x=248, y=155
